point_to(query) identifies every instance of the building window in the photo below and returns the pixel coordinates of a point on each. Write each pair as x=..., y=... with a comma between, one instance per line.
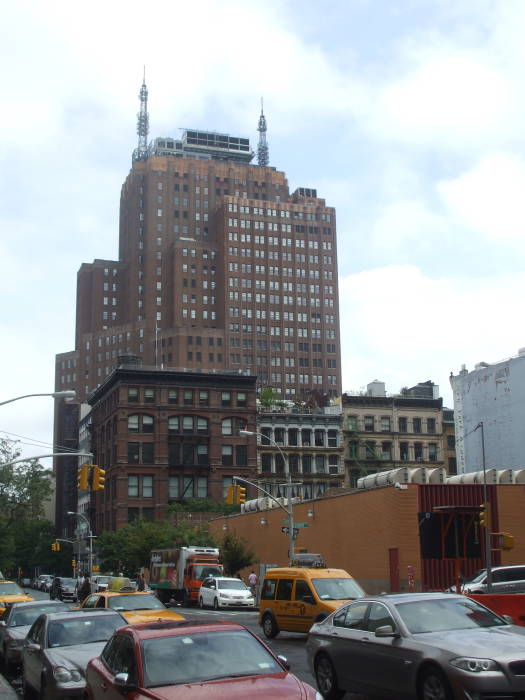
x=416, y=425
x=227, y=455
x=352, y=423
x=141, y=452
x=140, y=486
x=386, y=451
x=403, y=451
x=333, y=464
x=385, y=424
x=369, y=424
x=370, y=449
x=226, y=398
x=173, y=487
x=173, y=396
x=431, y=425
x=319, y=436
x=188, y=398
x=320, y=464
x=227, y=426
x=353, y=449
x=173, y=424
x=149, y=395
x=332, y=438
x=293, y=437
x=140, y=423
x=402, y=422
x=242, y=399
x=451, y=442
x=266, y=462
x=204, y=398
x=307, y=464
x=133, y=394
x=432, y=452
x=418, y=451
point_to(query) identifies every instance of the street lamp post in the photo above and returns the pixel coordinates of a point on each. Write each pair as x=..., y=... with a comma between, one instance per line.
x=488, y=536
x=90, y=537
x=289, y=485
x=69, y=394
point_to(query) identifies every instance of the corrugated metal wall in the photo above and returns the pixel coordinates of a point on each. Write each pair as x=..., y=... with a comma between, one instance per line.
x=438, y=574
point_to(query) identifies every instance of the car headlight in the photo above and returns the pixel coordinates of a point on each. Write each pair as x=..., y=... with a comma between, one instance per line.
x=473, y=665
x=65, y=675
x=223, y=595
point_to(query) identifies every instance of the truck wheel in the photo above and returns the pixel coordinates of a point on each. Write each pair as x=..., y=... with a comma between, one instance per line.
x=269, y=626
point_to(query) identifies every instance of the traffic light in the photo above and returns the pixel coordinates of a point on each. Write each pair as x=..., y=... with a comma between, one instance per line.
x=82, y=478
x=73, y=563
x=507, y=541
x=55, y=546
x=484, y=516
x=230, y=495
x=98, y=478
x=241, y=494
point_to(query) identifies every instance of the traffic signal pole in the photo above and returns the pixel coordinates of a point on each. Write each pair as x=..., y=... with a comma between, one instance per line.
x=488, y=535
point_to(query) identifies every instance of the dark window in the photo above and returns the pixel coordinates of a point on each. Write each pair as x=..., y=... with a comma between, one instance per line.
x=133, y=452
x=416, y=425
x=268, y=589
x=188, y=398
x=227, y=455
x=133, y=514
x=369, y=423
x=266, y=462
x=293, y=436
x=319, y=438
x=242, y=400
x=148, y=452
x=402, y=422
x=226, y=398
x=301, y=589
x=149, y=395
x=284, y=589
x=451, y=442
x=332, y=438
x=431, y=425
x=174, y=454
x=307, y=464
x=204, y=398
x=241, y=455
x=403, y=451
x=418, y=451
x=173, y=396
x=133, y=394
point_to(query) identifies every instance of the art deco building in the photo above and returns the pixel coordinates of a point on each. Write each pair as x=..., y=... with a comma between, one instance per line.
x=220, y=266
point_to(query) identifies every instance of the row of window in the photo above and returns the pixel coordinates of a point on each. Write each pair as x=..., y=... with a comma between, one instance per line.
x=385, y=424
x=143, y=423
x=295, y=437
x=189, y=397
x=385, y=451
x=302, y=464
x=273, y=271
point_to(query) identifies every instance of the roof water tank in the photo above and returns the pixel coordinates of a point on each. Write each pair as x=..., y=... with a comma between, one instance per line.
x=419, y=475
x=519, y=476
x=438, y=475
x=506, y=476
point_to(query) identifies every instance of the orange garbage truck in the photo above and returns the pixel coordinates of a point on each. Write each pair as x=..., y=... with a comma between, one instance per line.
x=176, y=575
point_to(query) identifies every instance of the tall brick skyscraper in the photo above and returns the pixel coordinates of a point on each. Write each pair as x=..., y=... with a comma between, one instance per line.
x=219, y=267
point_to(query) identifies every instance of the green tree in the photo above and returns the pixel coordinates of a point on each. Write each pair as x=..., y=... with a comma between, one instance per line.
x=236, y=554
x=24, y=489
x=129, y=548
x=203, y=505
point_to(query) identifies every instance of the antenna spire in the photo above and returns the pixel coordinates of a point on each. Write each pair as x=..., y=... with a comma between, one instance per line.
x=263, y=156
x=141, y=152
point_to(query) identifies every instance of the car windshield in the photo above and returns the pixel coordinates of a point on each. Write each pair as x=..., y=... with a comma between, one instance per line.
x=236, y=585
x=10, y=589
x=337, y=588
x=27, y=615
x=68, y=582
x=103, y=579
x=82, y=630
x=204, y=656
x=446, y=614
x=137, y=601
x=477, y=578
x=202, y=572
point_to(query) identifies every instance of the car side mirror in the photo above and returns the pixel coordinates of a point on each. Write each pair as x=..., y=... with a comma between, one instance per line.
x=308, y=598
x=32, y=646
x=284, y=662
x=386, y=631
x=122, y=680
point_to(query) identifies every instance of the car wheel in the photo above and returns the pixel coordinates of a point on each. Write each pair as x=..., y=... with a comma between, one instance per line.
x=201, y=603
x=215, y=604
x=326, y=679
x=269, y=626
x=434, y=686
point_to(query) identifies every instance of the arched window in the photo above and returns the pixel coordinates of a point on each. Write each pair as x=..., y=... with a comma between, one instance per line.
x=140, y=423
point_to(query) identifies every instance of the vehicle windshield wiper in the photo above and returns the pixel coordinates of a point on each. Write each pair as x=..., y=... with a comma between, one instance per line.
x=233, y=675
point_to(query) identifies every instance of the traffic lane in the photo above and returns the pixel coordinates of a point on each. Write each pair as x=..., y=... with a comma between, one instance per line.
x=287, y=644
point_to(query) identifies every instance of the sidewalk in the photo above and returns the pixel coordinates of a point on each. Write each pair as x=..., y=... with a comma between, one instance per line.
x=6, y=690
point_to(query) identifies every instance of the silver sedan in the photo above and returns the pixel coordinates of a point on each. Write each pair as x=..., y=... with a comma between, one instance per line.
x=58, y=647
x=15, y=623
x=424, y=646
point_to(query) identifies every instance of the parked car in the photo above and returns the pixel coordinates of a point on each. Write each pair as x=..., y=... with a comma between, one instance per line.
x=191, y=659
x=223, y=592
x=293, y=598
x=417, y=646
x=505, y=579
x=63, y=588
x=15, y=622
x=58, y=647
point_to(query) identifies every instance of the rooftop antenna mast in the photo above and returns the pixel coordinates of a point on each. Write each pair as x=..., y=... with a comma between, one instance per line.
x=263, y=157
x=141, y=152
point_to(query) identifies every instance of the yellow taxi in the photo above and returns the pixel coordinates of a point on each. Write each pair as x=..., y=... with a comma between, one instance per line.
x=10, y=592
x=293, y=598
x=135, y=606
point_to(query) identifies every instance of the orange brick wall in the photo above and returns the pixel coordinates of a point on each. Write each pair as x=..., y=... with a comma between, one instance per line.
x=352, y=531
x=511, y=517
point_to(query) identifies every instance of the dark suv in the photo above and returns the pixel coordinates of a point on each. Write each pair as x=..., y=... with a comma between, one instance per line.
x=63, y=588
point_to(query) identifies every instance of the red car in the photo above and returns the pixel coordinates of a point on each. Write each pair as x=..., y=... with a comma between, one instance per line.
x=171, y=660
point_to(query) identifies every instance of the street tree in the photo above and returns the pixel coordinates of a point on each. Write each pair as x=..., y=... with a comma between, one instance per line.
x=236, y=554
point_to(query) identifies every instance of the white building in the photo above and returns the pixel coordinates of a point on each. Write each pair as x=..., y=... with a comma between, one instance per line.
x=490, y=401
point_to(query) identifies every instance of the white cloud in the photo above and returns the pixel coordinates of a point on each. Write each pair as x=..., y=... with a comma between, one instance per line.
x=489, y=198
x=402, y=327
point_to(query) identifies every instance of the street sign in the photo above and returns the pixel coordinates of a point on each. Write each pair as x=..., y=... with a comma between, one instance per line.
x=301, y=524
x=285, y=530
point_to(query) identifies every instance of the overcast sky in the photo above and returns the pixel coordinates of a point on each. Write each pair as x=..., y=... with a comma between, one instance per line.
x=406, y=115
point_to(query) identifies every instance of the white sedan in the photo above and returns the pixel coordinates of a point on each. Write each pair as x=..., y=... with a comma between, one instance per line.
x=222, y=592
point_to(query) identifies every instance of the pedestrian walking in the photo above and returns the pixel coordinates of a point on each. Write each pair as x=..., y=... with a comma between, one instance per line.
x=141, y=584
x=85, y=590
x=252, y=580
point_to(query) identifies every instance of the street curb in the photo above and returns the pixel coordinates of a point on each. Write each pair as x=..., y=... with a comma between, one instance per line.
x=6, y=691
